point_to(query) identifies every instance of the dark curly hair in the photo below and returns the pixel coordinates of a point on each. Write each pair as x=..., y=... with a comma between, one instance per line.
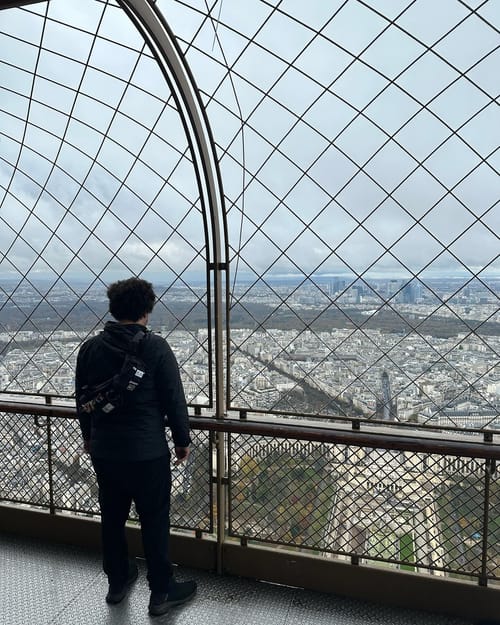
x=131, y=299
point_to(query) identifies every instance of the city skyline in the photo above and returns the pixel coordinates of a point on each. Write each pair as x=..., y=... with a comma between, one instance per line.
x=441, y=370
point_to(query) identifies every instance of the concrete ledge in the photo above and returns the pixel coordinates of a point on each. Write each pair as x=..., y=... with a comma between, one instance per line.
x=390, y=587
x=85, y=532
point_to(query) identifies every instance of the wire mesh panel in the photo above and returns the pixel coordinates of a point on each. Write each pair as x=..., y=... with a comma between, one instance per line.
x=24, y=477
x=358, y=144
x=74, y=482
x=75, y=487
x=279, y=491
x=192, y=501
x=45, y=465
x=358, y=151
x=97, y=183
x=416, y=511
x=493, y=537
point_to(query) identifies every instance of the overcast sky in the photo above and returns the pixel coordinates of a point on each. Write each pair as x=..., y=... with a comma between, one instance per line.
x=352, y=136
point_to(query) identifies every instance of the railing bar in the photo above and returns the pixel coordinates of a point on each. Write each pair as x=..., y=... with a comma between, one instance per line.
x=244, y=411
x=361, y=438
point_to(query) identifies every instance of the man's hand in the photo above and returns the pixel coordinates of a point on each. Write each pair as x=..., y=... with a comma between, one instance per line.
x=182, y=454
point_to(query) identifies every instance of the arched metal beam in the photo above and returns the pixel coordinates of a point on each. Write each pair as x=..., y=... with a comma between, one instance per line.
x=153, y=26
x=155, y=30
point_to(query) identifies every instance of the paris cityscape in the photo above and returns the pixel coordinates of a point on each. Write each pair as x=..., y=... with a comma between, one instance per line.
x=421, y=512
x=332, y=347
x=313, y=191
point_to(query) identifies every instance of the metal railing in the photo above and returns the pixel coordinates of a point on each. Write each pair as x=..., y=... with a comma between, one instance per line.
x=417, y=503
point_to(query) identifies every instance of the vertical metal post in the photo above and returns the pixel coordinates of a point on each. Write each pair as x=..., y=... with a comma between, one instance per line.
x=488, y=468
x=220, y=411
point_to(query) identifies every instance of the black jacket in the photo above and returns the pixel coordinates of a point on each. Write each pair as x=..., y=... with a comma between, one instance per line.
x=137, y=430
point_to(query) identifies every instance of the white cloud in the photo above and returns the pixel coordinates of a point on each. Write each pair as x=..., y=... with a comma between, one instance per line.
x=306, y=169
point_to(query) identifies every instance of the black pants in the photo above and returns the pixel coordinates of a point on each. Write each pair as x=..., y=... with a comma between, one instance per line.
x=147, y=483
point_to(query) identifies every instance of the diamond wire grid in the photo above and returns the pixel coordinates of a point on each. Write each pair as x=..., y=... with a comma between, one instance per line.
x=97, y=183
x=25, y=468
x=192, y=496
x=279, y=491
x=75, y=486
x=359, y=154
x=493, y=543
x=418, y=512
x=63, y=479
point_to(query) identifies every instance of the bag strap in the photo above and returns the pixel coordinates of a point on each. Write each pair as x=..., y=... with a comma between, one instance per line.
x=132, y=348
x=119, y=379
x=136, y=341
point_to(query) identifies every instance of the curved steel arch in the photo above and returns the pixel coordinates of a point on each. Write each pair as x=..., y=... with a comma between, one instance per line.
x=155, y=30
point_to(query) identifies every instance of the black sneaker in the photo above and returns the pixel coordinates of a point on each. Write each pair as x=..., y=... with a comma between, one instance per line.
x=118, y=593
x=180, y=592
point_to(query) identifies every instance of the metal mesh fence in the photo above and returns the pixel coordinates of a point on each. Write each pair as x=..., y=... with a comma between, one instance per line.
x=359, y=158
x=192, y=499
x=430, y=513
x=493, y=543
x=415, y=511
x=96, y=183
x=74, y=484
x=25, y=469
x=278, y=495
x=45, y=466
x=359, y=155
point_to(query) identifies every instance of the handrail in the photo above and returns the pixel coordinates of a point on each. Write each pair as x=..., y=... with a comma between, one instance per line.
x=237, y=482
x=242, y=413
x=359, y=438
x=334, y=435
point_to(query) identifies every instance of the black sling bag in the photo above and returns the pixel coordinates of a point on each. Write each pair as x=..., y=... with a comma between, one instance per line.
x=102, y=399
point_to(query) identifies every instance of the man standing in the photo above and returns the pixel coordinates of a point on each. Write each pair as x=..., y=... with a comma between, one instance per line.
x=128, y=447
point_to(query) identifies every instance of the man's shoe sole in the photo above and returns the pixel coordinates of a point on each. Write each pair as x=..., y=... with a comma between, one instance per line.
x=114, y=598
x=162, y=608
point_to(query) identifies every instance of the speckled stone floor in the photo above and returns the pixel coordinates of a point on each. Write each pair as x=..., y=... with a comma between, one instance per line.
x=42, y=584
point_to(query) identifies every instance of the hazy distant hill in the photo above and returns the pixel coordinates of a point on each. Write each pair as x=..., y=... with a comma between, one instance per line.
x=67, y=315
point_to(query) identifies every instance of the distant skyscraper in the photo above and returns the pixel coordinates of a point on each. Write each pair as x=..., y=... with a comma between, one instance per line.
x=417, y=290
x=337, y=285
x=393, y=287
x=408, y=293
